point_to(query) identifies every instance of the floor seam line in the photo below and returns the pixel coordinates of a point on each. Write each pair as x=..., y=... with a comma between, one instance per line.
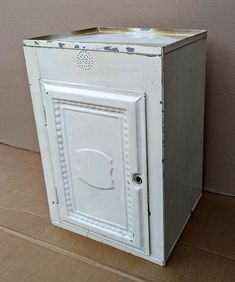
x=70, y=254
x=207, y=251
x=22, y=211
x=21, y=193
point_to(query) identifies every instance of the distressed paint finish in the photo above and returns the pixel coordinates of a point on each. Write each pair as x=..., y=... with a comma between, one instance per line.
x=151, y=42
x=88, y=78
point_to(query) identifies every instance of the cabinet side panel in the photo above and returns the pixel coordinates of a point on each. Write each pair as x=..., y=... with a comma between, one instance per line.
x=41, y=124
x=184, y=88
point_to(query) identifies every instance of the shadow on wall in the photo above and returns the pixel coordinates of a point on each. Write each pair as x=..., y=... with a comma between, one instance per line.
x=219, y=138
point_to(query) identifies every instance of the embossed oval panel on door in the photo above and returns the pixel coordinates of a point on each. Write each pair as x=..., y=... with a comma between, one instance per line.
x=97, y=140
x=95, y=168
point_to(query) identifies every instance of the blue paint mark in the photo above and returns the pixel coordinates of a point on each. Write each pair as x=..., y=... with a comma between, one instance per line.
x=109, y=48
x=76, y=46
x=130, y=49
x=61, y=45
x=36, y=42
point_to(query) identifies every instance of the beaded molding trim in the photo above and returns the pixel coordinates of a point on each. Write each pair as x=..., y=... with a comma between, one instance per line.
x=86, y=219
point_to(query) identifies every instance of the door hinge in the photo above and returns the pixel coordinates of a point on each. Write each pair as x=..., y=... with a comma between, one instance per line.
x=56, y=202
x=45, y=116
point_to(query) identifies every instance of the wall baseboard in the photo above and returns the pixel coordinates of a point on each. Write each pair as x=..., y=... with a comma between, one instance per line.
x=216, y=190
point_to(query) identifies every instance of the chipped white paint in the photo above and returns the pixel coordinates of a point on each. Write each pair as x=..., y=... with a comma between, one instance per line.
x=150, y=42
x=100, y=99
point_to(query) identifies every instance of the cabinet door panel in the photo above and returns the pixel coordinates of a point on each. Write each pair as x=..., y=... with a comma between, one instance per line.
x=97, y=141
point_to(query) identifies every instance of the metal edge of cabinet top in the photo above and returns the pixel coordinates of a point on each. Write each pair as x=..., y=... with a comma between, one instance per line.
x=144, y=41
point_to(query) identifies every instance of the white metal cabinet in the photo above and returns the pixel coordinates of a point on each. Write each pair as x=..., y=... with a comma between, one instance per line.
x=104, y=100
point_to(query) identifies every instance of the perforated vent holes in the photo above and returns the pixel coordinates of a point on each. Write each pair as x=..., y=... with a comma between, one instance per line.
x=85, y=60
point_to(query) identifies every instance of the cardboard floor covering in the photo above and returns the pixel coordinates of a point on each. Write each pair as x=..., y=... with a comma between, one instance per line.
x=32, y=249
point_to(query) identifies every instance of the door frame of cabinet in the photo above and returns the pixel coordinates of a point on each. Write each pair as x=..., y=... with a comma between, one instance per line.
x=126, y=107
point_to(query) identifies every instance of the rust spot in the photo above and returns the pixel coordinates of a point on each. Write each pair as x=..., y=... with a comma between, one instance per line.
x=61, y=45
x=130, y=49
x=151, y=55
x=145, y=29
x=108, y=48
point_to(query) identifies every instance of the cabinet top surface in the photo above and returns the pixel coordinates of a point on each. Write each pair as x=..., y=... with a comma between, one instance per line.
x=119, y=39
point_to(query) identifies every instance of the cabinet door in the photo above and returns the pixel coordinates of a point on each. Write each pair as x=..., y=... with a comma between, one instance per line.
x=97, y=140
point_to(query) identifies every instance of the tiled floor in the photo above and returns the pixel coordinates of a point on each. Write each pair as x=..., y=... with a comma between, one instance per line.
x=31, y=249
